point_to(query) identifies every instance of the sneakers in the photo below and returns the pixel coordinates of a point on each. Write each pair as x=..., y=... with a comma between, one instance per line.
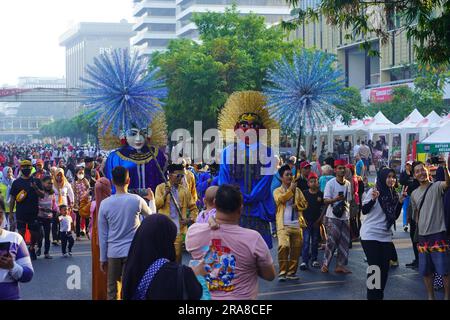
x=393, y=264
x=33, y=255
x=55, y=243
x=38, y=252
x=64, y=255
x=303, y=266
x=282, y=278
x=47, y=256
x=292, y=277
x=316, y=264
x=70, y=253
x=412, y=265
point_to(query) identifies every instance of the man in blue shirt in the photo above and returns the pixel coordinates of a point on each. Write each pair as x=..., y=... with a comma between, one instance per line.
x=359, y=166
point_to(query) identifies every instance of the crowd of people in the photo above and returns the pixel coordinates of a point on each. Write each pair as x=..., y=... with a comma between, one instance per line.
x=138, y=242
x=368, y=152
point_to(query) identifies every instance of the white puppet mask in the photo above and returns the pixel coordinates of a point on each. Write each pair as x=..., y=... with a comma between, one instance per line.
x=136, y=138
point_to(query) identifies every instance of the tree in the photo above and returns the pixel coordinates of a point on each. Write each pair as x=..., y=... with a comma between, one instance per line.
x=234, y=54
x=399, y=107
x=77, y=128
x=404, y=101
x=352, y=107
x=427, y=23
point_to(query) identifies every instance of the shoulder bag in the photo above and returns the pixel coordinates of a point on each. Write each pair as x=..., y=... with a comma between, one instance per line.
x=416, y=233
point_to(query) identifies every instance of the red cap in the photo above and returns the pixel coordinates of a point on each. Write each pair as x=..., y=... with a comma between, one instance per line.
x=340, y=162
x=305, y=164
x=313, y=175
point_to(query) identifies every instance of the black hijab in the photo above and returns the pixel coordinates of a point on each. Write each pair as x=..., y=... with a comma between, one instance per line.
x=388, y=198
x=153, y=240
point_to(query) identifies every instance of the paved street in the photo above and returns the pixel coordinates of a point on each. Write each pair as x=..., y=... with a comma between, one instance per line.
x=50, y=278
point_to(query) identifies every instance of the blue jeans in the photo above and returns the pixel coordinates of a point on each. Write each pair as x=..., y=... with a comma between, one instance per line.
x=405, y=211
x=311, y=236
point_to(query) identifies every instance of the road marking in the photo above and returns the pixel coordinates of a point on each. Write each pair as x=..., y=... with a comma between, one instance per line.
x=292, y=291
x=312, y=283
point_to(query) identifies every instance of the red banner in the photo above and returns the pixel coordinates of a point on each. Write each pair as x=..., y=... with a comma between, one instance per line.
x=381, y=94
x=11, y=92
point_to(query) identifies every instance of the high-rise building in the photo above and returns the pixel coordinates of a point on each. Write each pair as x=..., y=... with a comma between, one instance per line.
x=159, y=21
x=155, y=24
x=372, y=75
x=87, y=40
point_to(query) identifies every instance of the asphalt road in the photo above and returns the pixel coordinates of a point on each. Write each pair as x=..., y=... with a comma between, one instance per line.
x=51, y=277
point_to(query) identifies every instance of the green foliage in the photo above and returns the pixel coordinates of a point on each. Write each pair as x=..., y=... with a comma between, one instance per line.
x=426, y=22
x=404, y=102
x=352, y=107
x=234, y=54
x=76, y=128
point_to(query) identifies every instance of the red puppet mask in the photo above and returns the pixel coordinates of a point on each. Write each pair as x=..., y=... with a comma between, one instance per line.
x=246, y=122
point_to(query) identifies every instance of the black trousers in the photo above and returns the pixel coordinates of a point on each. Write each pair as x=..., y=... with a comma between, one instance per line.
x=45, y=234
x=78, y=224
x=34, y=228
x=66, y=238
x=378, y=254
x=412, y=231
x=394, y=256
x=55, y=229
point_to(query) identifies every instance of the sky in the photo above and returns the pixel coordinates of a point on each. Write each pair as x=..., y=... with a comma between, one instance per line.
x=30, y=31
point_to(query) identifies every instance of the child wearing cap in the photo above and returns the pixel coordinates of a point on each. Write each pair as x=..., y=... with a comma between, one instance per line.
x=313, y=218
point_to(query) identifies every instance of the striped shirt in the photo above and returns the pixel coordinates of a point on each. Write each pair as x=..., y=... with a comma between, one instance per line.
x=22, y=270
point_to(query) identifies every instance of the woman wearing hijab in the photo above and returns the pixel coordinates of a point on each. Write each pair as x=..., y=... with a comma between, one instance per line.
x=382, y=206
x=151, y=272
x=5, y=186
x=64, y=196
x=99, y=279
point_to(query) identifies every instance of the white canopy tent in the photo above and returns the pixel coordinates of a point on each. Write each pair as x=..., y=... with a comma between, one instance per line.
x=444, y=120
x=409, y=126
x=429, y=124
x=442, y=135
x=438, y=142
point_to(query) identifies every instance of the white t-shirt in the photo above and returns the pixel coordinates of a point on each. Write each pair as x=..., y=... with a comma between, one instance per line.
x=374, y=224
x=288, y=222
x=331, y=191
x=65, y=223
x=356, y=149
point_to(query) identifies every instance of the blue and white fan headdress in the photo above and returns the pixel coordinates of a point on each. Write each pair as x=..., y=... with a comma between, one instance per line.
x=122, y=92
x=302, y=95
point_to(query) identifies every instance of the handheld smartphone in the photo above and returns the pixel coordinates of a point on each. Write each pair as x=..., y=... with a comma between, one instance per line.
x=4, y=248
x=341, y=193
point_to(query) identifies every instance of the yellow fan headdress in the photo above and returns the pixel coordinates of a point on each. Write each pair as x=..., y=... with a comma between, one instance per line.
x=246, y=105
x=158, y=137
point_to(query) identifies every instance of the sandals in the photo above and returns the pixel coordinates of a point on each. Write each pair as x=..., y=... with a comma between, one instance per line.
x=342, y=270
